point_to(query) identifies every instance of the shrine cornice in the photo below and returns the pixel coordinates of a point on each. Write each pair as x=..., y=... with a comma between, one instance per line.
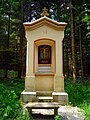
x=45, y=21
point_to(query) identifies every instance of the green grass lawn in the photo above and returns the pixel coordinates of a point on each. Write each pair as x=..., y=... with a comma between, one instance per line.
x=10, y=103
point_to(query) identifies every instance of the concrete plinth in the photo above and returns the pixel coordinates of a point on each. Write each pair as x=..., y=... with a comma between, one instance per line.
x=28, y=96
x=60, y=97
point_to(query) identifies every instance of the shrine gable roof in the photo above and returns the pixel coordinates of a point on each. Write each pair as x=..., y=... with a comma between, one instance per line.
x=44, y=21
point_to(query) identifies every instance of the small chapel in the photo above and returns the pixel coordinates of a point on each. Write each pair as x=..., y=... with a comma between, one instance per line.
x=44, y=79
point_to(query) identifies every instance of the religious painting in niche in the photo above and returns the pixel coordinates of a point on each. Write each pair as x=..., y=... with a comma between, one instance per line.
x=44, y=54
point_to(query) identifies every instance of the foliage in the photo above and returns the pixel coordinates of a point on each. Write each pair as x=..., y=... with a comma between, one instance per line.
x=10, y=103
x=79, y=95
x=58, y=117
x=86, y=107
x=23, y=115
x=78, y=92
x=13, y=84
x=12, y=74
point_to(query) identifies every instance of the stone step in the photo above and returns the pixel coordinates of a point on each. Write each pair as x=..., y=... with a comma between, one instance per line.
x=44, y=93
x=45, y=99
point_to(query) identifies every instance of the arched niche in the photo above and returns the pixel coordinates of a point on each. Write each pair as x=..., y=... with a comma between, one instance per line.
x=44, y=56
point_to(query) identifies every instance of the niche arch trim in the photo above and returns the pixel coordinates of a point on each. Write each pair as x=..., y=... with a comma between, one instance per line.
x=52, y=65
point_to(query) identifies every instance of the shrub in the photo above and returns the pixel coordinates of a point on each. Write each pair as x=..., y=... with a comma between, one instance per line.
x=12, y=74
x=10, y=106
x=23, y=115
x=9, y=103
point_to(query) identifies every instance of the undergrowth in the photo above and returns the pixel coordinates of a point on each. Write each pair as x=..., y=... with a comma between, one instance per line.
x=11, y=105
x=79, y=95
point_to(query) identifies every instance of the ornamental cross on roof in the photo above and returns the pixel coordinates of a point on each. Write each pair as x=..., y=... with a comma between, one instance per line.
x=45, y=12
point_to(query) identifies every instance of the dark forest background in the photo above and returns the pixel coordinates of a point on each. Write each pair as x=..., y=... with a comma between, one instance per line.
x=76, y=44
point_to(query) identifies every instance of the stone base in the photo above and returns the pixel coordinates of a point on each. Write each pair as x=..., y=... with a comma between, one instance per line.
x=28, y=96
x=60, y=97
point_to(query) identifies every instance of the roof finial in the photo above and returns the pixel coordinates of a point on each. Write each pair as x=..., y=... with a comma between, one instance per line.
x=45, y=12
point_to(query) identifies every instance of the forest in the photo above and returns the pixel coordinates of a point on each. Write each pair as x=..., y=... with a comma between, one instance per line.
x=76, y=51
x=76, y=43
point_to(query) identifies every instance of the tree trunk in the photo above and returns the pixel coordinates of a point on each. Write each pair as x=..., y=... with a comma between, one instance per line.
x=73, y=41
x=7, y=47
x=20, y=42
x=81, y=53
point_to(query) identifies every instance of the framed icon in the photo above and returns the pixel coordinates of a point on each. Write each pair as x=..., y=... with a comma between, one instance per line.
x=44, y=54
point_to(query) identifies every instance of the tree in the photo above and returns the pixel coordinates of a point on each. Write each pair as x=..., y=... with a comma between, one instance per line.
x=73, y=41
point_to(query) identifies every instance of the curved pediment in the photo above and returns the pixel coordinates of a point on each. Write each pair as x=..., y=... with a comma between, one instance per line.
x=44, y=21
